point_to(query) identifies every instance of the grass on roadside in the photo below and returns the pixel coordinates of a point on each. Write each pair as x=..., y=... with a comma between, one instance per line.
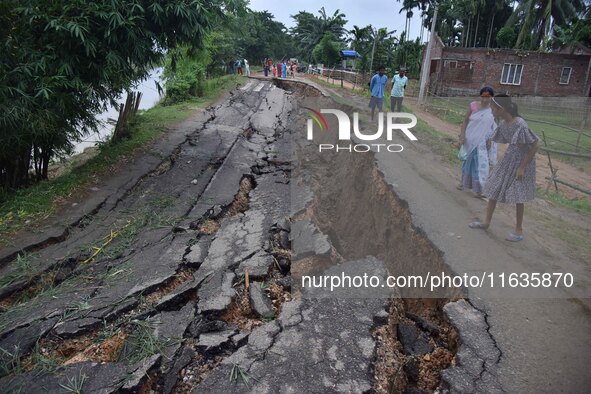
x=571, y=234
x=581, y=205
x=35, y=203
x=143, y=342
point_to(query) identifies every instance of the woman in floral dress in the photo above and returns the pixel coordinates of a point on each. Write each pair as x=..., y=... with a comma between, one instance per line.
x=513, y=180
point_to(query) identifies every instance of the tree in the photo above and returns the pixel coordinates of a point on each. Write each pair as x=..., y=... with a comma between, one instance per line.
x=362, y=40
x=327, y=50
x=259, y=36
x=506, y=37
x=576, y=32
x=536, y=19
x=408, y=54
x=63, y=61
x=386, y=44
x=309, y=29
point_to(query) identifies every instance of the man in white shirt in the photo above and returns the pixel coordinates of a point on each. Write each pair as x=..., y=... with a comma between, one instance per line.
x=247, y=66
x=397, y=95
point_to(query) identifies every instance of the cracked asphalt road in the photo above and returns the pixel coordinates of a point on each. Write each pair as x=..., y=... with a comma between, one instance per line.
x=178, y=275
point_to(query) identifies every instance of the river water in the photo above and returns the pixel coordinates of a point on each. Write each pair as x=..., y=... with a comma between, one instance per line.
x=150, y=98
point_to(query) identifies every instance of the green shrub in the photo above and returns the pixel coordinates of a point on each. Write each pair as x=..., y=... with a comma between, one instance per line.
x=186, y=83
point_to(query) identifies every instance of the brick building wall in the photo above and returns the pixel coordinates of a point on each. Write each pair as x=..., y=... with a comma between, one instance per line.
x=464, y=71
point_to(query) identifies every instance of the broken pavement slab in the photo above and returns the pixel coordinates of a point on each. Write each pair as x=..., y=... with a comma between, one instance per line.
x=213, y=340
x=257, y=266
x=477, y=359
x=97, y=378
x=260, y=303
x=151, y=257
x=315, y=345
x=216, y=292
x=307, y=240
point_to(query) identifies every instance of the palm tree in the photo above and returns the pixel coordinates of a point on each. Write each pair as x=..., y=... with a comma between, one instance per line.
x=478, y=4
x=408, y=6
x=539, y=16
x=497, y=5
x=470, y=8
x=385, y=43
x=313, y=33
x=359, y=36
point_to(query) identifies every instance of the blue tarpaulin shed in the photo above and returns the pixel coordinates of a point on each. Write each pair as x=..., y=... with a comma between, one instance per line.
x=350, y=53
x=347, y=54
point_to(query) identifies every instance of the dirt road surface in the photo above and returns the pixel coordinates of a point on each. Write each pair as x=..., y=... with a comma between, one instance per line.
x=182, y=272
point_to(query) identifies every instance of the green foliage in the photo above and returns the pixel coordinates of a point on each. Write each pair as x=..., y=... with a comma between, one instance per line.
x=252, y=35
x=310, y=30
x=74, y=384
x=536, y=19
x=468, y=23
x=581, y=205
x=40, y=200
x=506, y=37
x=577, y=32
x=327, y=50
x=259, y=36
x=143, y=341
x=10, y=361
x=237, y=373
x=408, y=54
x=64, y=61
x=186, y=78
x=21, y=270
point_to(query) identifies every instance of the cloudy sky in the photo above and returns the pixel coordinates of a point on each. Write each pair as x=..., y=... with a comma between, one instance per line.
x=379, y=13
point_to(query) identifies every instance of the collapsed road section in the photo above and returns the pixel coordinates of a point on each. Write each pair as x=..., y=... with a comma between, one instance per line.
x=189, y=281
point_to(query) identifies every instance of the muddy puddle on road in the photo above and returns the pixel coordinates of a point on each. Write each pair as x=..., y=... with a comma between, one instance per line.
x=360, y=215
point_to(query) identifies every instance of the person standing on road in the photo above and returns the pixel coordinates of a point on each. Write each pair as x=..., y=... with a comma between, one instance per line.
x=270, y=66
x=247, y=67
x=239, y=66
x=397, y=94
x=293, y=69
x=476, y=133
x=377, y=86
x=284, y=69
x=513, y=180
x=279, y=69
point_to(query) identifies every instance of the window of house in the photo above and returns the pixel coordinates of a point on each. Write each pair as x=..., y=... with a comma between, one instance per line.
x=565, y=75
x=511, y=74
x=451, y=63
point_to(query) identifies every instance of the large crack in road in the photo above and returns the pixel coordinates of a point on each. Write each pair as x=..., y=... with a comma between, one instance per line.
x=188, y=282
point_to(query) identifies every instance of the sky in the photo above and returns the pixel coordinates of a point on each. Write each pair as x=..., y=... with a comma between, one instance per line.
x=379, y=13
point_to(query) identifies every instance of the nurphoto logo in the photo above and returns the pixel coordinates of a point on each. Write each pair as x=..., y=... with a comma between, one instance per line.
x=344, y=132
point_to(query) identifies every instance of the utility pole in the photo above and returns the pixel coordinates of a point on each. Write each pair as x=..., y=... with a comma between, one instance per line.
x=427, y=59
x=373, y=48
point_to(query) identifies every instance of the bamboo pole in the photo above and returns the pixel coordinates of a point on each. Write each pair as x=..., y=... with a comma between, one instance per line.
x=578, y=188
x=565, y=153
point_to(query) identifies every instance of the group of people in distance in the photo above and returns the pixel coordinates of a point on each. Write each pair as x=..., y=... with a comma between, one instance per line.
x=239, y=64
x=280, y=69
x=513, y=179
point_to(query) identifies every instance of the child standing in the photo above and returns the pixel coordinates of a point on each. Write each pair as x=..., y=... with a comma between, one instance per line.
x=513, y=180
